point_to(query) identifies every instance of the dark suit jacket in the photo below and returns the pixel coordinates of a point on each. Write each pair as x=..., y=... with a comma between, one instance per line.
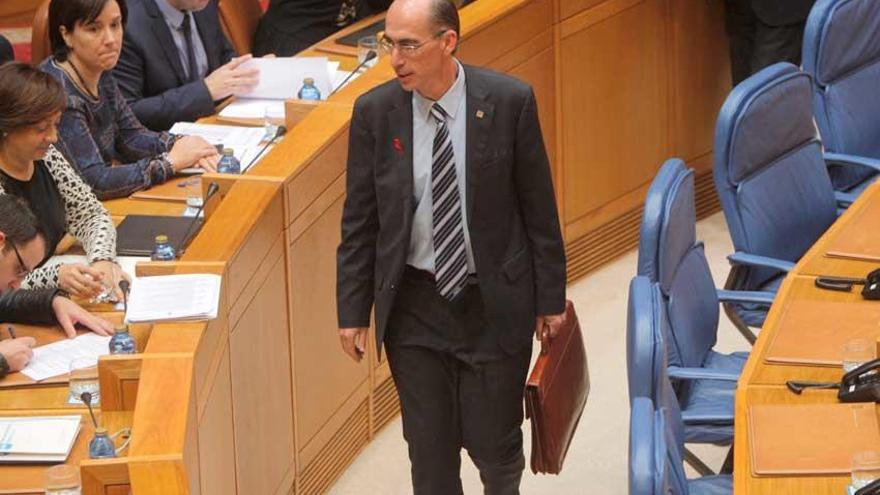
x=512, y=218
x=782, y=12
x=149, y=71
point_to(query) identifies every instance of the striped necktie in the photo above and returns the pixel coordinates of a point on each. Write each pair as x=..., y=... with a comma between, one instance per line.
x=450, y=260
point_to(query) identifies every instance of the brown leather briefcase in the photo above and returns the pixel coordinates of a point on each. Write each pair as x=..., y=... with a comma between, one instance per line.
x=556, y=393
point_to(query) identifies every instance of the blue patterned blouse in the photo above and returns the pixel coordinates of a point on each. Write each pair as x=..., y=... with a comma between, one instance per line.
x=103, y=138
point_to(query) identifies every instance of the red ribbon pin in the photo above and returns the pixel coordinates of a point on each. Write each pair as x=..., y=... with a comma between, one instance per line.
x=398, y=146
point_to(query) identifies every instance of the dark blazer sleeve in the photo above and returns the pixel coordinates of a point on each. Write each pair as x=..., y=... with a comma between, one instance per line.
x=534, y=186
x=356, y=255
x=160, y=111
x=28, y=306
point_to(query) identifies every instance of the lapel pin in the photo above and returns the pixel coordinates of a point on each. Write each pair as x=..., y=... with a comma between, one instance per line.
x=480, y=114
x=398, y=146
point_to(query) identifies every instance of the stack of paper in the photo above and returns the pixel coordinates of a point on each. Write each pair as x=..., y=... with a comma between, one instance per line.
x=174, y=297
x=54, y=359
x=246, y=142
x=37, y=438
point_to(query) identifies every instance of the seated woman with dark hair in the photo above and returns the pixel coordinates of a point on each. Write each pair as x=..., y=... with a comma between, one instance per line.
x=98, y=128
x=32, y=168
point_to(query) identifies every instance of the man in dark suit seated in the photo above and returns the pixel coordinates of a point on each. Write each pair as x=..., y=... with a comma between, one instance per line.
x=176, y=62
x=450, y=229
x=22, y=247
x=763, y=32
x=7, y=54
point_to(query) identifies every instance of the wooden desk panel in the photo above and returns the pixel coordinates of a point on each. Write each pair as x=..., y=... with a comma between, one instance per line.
x=763, y=383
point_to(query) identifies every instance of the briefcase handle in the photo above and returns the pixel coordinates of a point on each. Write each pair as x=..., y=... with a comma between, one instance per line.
x=545, y=339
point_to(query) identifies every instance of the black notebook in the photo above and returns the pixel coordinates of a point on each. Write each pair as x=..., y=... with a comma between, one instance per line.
x=371, y=30
x=136, y=235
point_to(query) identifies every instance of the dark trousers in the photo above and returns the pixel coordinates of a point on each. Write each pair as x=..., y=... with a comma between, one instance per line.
x=457, y=389
x=755, y=45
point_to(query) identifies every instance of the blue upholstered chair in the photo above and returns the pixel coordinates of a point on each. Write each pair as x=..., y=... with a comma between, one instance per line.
x=842, y=55
x=771, y=179
x=655, y=462
x=668, y=230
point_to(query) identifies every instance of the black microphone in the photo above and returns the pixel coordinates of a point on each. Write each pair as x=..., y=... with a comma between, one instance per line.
x=370, y=56
x=212, y=189
x=278, y=133
x=124, y=286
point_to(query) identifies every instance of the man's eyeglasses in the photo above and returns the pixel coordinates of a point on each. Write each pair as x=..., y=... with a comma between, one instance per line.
x=407, y=48
x=23, y=270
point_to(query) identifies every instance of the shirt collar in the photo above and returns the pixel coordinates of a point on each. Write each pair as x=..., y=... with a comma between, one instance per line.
x=172, y=15
x=449, y=101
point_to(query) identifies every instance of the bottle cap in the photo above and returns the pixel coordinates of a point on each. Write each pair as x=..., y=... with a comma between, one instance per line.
x=120, y=328
x=228, y=152
x=309, y=81
x=100, y=430
x=161, y=239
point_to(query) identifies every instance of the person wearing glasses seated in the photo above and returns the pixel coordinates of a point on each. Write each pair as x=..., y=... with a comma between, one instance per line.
x=32, y=168
x=22, y=246
x=98, y=128
x=290, y=26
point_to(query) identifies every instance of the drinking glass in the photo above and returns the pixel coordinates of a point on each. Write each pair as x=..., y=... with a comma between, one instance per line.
x=857, y=352
x=865, y=468
x=193, y=187
x=365, y=45
x=62, y=479
x=84, y=378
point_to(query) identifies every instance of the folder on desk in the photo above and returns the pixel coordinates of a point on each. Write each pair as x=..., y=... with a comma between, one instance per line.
x=856, y=240
x=136, y=235
x=810, y=438
x=814, y=332
x=37, y=438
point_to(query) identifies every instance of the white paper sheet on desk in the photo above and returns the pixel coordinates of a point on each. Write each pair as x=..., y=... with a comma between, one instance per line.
x=174, y=297
x=54, y=359
x=37, y=438
x=281, y=78
x=253, y=108
x=229, y=136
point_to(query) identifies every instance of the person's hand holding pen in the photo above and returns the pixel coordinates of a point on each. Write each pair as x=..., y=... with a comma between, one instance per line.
x=18, y=351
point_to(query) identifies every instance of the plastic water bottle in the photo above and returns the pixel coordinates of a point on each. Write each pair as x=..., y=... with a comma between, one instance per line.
x=309, y=91
x=229, y=164
x=122, y=342
x=101, y=446
x=162, y=250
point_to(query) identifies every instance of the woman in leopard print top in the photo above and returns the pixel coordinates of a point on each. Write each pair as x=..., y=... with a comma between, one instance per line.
x=32, y=168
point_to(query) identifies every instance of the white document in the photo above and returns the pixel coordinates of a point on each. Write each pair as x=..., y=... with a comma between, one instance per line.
x=54, y=359
x=174, y=297
x=253, y=108
x=37, y=438
x=228, y=135
x=281, y=78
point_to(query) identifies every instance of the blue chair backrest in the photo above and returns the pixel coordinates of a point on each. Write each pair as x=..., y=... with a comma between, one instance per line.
x=691, y=307
x=643, y=468
x=769, y=171
x=842, y=54
x=641, y=339
x=653, y=217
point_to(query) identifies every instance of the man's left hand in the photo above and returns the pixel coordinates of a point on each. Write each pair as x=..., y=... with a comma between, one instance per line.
x=548, y=326
x=68, y=314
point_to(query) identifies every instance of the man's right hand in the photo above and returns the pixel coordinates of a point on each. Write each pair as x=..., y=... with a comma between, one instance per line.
x=18, y=352
x=354, y=342
x=232, y=78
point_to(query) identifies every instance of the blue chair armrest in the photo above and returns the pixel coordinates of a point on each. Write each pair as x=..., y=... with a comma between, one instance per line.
x=719, y=418
x=741, y=258
x=862, y=161
x=745, y=296
x=701, y=374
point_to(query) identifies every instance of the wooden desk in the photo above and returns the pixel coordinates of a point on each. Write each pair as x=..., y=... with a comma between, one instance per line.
x=764, y=383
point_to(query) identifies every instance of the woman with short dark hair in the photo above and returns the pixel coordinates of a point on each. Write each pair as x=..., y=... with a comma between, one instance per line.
x=32, y=168
x=98, y=127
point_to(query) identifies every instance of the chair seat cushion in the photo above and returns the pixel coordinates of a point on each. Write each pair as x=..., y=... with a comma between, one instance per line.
x=755, y=314
x=712, y=398
x=711, y=485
